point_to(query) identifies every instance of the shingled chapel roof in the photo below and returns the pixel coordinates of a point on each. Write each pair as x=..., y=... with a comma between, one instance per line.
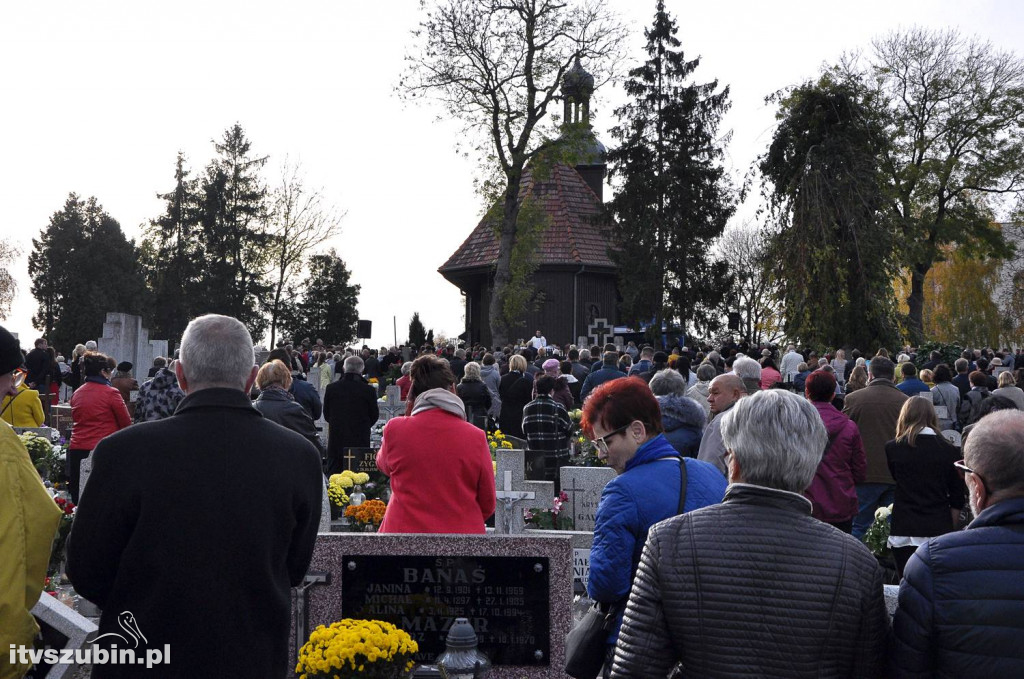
x=573, y=234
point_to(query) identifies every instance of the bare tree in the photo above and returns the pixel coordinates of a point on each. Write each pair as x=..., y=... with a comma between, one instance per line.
x=8, y=283
x=497, y=65
x=755, y=293
x=299, y=222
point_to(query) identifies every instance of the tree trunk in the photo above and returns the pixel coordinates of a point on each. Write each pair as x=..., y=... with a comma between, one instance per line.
x=503, y=267
x=915, y=303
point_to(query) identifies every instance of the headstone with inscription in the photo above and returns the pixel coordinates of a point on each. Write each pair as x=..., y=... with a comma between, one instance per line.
x=583, y=487
x=516, y=591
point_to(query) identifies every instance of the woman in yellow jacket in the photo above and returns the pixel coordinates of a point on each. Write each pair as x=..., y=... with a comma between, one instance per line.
x=23, y=409
x=28, y=521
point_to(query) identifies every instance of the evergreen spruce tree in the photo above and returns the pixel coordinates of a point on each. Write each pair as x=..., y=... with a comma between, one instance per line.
x=674, y=199
x=233, y=234
x=173, y=257
x=82, y=267
x=327, y=308
x=417, y=333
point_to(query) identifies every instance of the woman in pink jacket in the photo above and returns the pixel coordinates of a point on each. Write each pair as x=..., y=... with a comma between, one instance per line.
x=833, y=492
x=97, y=411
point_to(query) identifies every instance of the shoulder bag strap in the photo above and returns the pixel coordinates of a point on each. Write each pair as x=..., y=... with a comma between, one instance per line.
x=9, y=405
x=682, y=485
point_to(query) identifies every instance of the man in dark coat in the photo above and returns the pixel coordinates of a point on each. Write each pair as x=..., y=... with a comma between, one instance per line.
x=192, y=530
x=961, y=609
x=608, y=372
x=694, y=599
x=350, y=408
x=38, y=367
x=875, y=409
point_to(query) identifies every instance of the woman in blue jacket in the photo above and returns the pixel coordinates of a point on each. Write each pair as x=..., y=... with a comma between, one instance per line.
x=623, y=419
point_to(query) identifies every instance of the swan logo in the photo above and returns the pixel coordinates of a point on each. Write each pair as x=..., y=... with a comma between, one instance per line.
x=126, y=621
x=93, y=654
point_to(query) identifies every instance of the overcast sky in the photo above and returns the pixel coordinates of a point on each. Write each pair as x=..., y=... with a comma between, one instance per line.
x=98, y=97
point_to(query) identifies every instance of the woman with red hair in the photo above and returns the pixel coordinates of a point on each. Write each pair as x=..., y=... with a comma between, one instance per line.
x=623, y=419
x=833, y=492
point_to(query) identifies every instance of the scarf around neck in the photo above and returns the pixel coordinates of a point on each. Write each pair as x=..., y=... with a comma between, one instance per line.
x=441, y=399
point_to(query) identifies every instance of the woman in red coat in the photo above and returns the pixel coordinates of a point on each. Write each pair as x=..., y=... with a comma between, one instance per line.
x=97, y=411
x=442, y=479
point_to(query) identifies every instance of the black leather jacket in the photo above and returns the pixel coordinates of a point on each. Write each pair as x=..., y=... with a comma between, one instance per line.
x=754, y=587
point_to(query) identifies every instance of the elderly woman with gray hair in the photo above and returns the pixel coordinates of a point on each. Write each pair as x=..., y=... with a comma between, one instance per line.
x=692, y=601
x=699, y=391
x=682, y=417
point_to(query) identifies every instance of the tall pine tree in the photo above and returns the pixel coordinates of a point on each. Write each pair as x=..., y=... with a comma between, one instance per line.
x=173, y=257
x=233, y=234
x=674, y=198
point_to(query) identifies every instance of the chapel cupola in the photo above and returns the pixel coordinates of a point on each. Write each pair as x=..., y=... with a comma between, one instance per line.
x=577, y=87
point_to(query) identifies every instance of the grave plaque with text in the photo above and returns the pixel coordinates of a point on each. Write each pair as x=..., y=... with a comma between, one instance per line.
x=504, y=598
x=360, y=460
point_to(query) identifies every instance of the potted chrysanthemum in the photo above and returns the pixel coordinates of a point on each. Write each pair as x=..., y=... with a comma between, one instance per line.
x=368, y=649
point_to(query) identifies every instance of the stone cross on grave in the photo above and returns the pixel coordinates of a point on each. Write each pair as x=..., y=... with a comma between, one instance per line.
x=599, y=331
x=514, y=493
x=392, y=405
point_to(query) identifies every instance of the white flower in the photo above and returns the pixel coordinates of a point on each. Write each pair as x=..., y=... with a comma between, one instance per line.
x=882, y=513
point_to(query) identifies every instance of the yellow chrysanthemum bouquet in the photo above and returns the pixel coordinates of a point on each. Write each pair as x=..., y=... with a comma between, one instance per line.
x=357, y=648
x=339, y=485
x=498, y=440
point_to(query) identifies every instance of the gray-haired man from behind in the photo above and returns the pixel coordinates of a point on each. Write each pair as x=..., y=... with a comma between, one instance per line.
x=201, y=521
x=693, y=600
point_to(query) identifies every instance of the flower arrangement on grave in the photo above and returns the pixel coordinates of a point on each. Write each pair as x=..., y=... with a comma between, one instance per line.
x=61, y=539
x=370, y=513
x=51, y=464
x=583, y=452
x=357, y=648
x=550, y=519
x=497, y=440
x=37, y=446
x=877, y=535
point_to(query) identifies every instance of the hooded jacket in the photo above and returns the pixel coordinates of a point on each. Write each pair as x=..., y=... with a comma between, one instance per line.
x=491, y=376
x=833, y=492
x=158, y=397
x=683, y=419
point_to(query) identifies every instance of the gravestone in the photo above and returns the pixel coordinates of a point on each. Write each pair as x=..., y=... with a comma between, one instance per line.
x=515, y=494
x=60, y=628
x=392, y=404
x=406, y=354
x=516, y=591
x=583, y=487
x=360, y=460
x=125, y=339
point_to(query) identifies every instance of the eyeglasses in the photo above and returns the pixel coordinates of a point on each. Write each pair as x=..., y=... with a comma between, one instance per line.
x=959, y=464
x=601, y=442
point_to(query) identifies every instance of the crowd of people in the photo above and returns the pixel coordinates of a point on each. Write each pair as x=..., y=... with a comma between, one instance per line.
x=746, y=478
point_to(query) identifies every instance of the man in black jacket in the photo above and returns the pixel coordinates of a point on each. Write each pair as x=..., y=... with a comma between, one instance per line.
x=719, y=588
x=350, y=408
x=38, y=367
x=193, y=529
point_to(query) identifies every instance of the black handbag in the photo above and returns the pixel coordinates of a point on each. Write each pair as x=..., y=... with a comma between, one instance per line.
x=585, y=645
